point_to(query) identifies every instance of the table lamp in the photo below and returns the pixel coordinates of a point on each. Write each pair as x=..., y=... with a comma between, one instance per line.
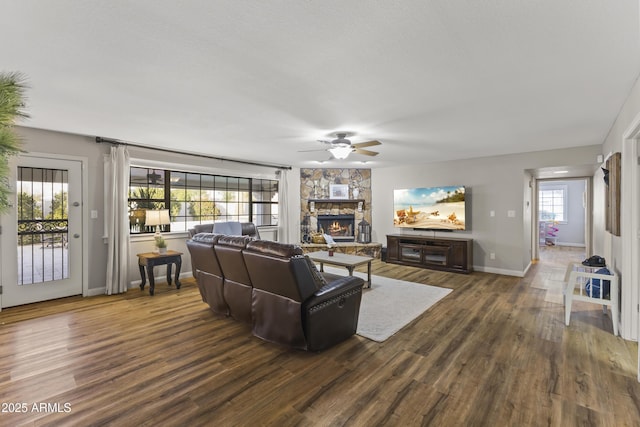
x=157, y=217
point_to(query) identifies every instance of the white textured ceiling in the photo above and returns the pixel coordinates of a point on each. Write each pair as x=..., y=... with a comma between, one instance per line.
x=431, y=79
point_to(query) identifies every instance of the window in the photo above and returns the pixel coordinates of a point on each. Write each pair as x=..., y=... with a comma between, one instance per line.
x=195, y=198
x=552, y=203
x=264, y=199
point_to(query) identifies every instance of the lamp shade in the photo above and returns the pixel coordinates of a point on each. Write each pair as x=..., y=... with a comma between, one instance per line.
x=157, y=217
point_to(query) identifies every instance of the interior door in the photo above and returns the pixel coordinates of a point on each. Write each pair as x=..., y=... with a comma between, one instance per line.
x=41, y=235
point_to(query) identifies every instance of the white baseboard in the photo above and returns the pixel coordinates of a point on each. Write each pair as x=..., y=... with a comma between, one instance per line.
x=501, y=271
x=158, y=279
x=566, y=244
x=575, y=245
x=135, y=284
x=526, y=270
x=93, y=292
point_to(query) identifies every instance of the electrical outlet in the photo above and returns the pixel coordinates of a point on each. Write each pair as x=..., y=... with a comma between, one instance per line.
x=492, y=213
x=511, y=214
x=492, y=255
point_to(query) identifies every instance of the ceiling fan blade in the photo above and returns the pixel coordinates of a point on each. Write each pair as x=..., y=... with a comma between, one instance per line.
x=365, y=152
x=366, y=144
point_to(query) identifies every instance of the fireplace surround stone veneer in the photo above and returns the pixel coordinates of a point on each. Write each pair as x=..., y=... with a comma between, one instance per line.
x=314, y=185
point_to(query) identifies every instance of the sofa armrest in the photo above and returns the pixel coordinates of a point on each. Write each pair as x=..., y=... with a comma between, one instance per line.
x=331, y=314
x=336, y=288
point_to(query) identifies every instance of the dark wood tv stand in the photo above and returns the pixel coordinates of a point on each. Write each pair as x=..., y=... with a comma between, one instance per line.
x=439, y=253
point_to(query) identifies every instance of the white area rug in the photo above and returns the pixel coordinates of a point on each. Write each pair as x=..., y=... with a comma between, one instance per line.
x=391, y=304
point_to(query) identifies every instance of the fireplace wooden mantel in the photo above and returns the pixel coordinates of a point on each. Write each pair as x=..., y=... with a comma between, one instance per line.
x=337, y=201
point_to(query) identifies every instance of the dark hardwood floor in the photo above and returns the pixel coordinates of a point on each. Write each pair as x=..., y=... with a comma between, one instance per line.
x=495, y=352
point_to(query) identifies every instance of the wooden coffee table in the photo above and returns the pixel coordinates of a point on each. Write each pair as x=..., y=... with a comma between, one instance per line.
x=342, y=260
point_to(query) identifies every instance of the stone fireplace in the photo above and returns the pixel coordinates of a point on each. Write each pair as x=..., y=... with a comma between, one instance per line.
x=320, y=208
x=316, y=198
x=340, y=227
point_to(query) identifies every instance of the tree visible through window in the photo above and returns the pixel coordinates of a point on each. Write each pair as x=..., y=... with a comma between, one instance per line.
x=194, y=198
x=552, y=203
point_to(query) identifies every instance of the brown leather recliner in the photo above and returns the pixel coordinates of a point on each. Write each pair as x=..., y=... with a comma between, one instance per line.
x=248, y=229
x=292, y=304
x=207, y=271
x=237, y=284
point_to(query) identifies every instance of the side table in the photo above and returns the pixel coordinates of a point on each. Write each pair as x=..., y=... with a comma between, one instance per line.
x=151, y=259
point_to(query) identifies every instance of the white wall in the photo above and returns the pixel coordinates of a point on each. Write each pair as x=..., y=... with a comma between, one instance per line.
x=614, y=143
x=598, y=214
x=493, y=184
x=619, y=248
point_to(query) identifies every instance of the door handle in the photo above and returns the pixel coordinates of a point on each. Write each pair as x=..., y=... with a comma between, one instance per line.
x=76, y=204
x=76, y=235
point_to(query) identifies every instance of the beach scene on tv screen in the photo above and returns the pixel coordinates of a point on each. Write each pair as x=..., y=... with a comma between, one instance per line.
x=431, y=208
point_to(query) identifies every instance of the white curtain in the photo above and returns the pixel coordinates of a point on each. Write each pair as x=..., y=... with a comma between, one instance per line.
x=284, y=234
x=117, y=219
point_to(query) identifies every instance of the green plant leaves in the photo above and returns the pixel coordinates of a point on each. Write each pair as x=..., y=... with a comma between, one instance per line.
x=12, y=102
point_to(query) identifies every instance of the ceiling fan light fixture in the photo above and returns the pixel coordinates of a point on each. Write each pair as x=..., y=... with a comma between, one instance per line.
x=340, y=152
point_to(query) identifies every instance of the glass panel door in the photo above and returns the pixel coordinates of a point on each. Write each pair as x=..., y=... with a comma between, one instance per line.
x=43, y=219
x=42, y=247
x=411, y=253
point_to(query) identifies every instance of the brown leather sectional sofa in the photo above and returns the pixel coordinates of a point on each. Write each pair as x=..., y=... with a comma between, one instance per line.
x=276, y=289
x=246, y=229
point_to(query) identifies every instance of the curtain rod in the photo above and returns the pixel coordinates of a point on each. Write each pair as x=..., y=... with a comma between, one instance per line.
x=100, y=140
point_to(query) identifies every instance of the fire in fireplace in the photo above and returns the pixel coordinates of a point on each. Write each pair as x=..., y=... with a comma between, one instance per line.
x=340, y=227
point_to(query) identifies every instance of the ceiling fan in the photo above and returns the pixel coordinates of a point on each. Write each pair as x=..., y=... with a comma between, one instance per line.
x=153, y=177
x=341, y=147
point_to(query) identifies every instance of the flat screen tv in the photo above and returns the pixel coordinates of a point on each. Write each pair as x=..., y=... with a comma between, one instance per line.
x=430, y=208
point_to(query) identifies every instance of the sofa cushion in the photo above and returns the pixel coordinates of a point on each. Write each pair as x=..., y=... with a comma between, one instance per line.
x=267, y=247
x=206, y=237
x=239, y=242
x=206, y=269
x=271, y=271
x=237, y=283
